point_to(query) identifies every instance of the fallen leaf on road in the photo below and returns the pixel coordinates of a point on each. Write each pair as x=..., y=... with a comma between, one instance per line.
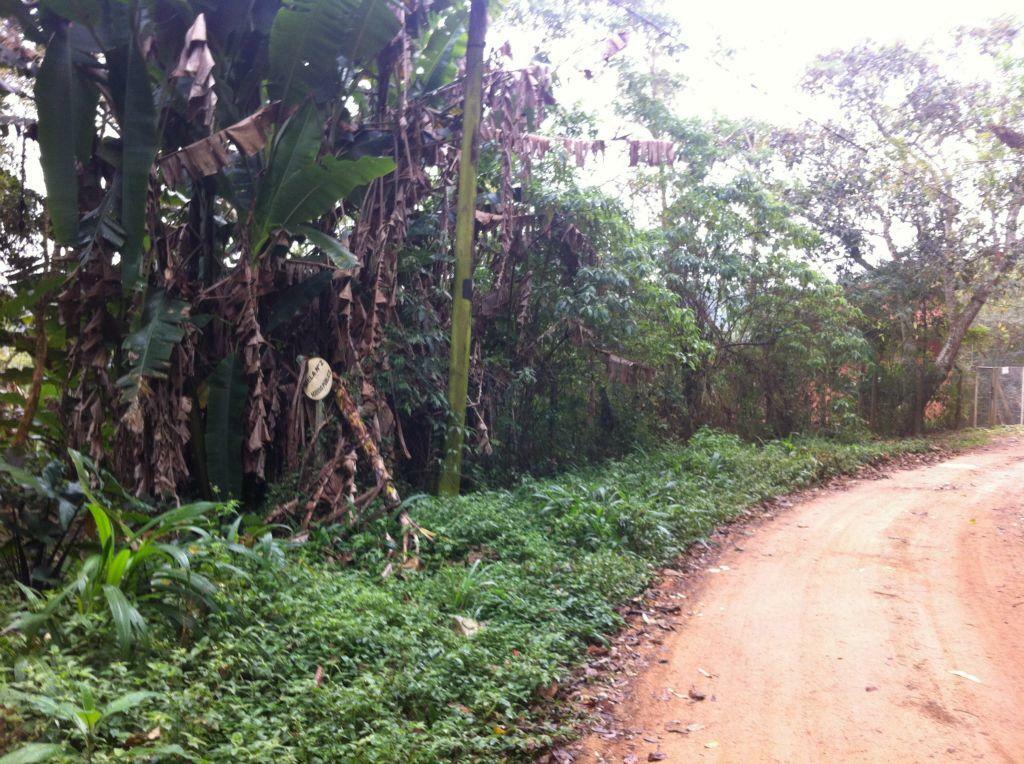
x=711, y=744
x=696, y=694
x=965, y=675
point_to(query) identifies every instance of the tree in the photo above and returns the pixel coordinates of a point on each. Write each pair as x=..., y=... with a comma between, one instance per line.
x=912, y=181
x=255, y=146
x=734, y=250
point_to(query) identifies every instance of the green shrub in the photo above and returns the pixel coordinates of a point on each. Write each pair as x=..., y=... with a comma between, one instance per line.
x=128, y=567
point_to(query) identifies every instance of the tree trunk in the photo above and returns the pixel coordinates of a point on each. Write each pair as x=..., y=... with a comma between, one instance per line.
x=873, y=410
x=961, y=323
x=1006, y=255
x=462, y=288
x=921, y=398
x=959, y=410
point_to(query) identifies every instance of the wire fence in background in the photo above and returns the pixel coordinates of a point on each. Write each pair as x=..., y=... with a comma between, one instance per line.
x=998, y=396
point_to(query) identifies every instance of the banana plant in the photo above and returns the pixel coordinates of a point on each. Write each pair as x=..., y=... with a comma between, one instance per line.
x=273, y=175
x=131, y=568
x=298, y=187
x=86, y=717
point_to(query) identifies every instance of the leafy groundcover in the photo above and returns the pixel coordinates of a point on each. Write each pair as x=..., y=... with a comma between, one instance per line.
x=319, y=658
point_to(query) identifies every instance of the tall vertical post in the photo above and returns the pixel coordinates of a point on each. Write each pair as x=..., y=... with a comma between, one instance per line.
x=992, y=403
x=462, y=288
x=1022, y=395
x=977, y=377
x=974, y=413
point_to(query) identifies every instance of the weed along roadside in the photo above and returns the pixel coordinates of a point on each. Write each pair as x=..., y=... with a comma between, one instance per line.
x=309, y=656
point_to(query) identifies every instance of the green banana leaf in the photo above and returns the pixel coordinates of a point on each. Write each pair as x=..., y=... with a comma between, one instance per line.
x=139, y=147
x=309, y=36
x=336, y=252
x=58, y=94
x=153, y=338
x=297, y=188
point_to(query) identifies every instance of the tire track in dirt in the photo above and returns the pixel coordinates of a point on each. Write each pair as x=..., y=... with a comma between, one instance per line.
x=834, y=633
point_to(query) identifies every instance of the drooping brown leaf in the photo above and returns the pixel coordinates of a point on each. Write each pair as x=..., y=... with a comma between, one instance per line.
x=196, y=62
x=652, y=153
x=623, y=371
x=213, y=153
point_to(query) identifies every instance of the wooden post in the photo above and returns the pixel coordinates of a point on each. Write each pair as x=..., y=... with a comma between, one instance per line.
x=992, y=402
x=1022, y=395
x=462, y=288
x=974, y=414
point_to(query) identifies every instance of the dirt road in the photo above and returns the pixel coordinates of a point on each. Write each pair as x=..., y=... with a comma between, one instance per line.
x=883, y=622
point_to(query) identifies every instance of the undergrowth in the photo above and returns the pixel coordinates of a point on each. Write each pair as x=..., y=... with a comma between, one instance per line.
x=319, y=661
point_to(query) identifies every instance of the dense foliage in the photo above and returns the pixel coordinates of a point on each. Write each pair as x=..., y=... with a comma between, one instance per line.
x=222, y=204
x=317, y=658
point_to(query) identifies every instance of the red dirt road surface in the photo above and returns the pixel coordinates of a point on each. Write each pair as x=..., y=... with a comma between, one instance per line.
x=883, y=622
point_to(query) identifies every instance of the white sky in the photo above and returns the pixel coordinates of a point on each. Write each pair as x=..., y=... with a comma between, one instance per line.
x=775, y=41
x=768, y=43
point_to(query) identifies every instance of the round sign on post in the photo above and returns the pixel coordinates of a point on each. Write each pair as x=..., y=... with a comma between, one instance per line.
x=318, y=379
